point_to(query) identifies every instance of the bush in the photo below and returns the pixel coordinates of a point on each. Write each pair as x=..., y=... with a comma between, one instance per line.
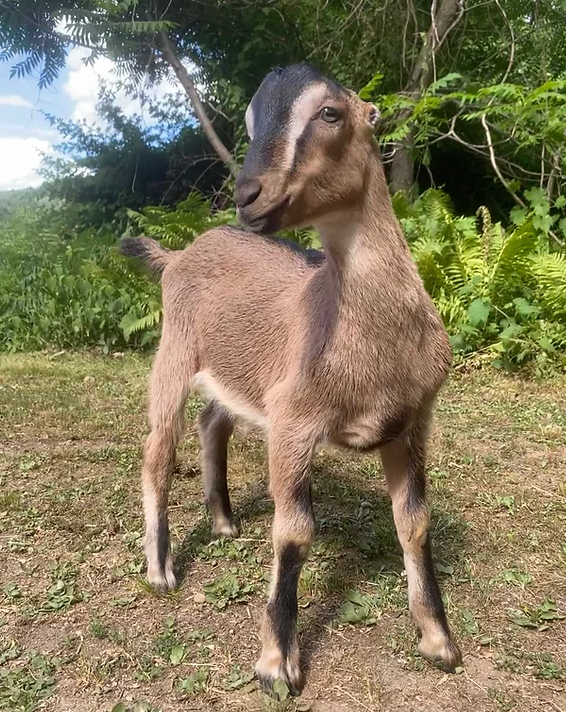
x=66, y=292
x=501, y=292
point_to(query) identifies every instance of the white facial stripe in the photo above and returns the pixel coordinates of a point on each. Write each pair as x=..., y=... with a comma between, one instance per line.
x=304, y=107
x=249, y=119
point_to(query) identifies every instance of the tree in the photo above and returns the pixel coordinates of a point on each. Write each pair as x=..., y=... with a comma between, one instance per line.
x=445, y=17
x=220, y=50
x=128, y=164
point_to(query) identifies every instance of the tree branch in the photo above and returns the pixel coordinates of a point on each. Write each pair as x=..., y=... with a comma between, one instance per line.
x=495, y=166
x=170, y=56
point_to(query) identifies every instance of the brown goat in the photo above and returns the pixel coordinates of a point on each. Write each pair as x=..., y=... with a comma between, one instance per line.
x=343, y=347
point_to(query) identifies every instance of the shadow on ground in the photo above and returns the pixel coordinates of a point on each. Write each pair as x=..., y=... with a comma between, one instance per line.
x=355, y=529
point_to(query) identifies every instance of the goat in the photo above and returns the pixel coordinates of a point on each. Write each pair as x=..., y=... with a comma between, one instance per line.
x=342, y=346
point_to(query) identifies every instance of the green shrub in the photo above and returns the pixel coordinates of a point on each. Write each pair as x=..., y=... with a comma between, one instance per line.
x=64, y=293
x=501, y=292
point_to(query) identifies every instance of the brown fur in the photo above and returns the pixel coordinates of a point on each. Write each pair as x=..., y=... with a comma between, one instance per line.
x=348, y=349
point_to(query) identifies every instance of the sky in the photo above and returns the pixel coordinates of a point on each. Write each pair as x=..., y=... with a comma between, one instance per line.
x=24, y=131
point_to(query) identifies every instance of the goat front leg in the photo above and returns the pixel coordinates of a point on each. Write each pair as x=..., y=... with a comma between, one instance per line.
x=290, y=454
x=404, y=466
x=215, y=428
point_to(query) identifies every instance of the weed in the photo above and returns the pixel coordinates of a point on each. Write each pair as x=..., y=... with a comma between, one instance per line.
x=134, y=707
x=541, y=665
x=228, y=589
x=360, y=608
x=8, y=651
x=514, y=577
x=147, y=670
x=23, y=689
x=167, y=640
x=129, y=568
x=195, y=683
x=537, y=618
x=101, y=630
x=505, y=702
x=469, y=624
x=236, y=679
x=12, y=591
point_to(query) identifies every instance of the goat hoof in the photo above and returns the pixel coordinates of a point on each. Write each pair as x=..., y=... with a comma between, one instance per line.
x=288, y=672
x=162, y=581
x=445, y=655
x=225, y=530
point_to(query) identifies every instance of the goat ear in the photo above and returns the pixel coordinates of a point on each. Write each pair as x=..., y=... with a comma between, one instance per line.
x=372, y=114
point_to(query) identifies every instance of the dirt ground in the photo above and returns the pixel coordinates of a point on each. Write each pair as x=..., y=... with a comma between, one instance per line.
x=81, y=631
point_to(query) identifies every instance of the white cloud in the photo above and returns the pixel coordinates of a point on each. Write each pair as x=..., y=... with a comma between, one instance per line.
x=84, y=81
x=14, y=100
x=19, y=160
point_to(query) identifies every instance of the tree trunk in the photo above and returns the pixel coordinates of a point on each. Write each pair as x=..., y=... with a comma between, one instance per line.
x=170, y=56
x=403, y=165
x=444, y=19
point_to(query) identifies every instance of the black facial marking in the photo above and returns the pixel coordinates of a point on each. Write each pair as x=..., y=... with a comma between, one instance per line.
x=272, y=105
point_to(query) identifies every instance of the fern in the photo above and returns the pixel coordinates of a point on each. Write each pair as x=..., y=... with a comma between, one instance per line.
x=130, y=323
x=499, y=291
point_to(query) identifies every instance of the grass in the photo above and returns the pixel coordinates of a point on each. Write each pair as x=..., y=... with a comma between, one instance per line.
x=80, y=629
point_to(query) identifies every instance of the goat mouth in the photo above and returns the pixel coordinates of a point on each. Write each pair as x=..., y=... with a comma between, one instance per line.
x=268, y=221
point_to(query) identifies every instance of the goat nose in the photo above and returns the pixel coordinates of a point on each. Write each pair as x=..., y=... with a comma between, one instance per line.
x=247, y=191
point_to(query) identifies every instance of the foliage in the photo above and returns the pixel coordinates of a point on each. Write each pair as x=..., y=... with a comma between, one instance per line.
x=523, y=126
x=229, y=46
x=23, y=689
x=500, y=291
x=176, y=228
x=539, y=618
x=60, y=290
x=124, y=163
x=228, y=589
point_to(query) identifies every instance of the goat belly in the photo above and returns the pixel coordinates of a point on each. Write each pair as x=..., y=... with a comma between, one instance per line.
x=212, y=389
x=371, y=431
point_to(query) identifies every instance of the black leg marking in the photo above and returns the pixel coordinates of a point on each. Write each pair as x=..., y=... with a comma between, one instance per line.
x=283, y=607
x=162, y=535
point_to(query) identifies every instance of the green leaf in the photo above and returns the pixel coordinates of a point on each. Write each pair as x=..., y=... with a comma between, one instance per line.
x=280, y=689
x=546, y=344
x=524, y=622
x=519, y=215
x=355, y=597
x=368, y=91
x=524, y=308
x=177, y=654
x=478, y=311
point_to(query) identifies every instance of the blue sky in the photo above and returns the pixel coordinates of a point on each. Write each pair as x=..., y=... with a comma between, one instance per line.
x=23, y=128
x=24, y=131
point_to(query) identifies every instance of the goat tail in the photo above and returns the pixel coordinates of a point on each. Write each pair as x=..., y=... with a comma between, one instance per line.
x=150, y=252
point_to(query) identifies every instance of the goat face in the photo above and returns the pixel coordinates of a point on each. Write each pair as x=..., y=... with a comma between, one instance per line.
x=311, y=141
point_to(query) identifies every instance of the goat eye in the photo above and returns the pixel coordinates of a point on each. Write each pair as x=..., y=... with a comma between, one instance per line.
x=329, y=114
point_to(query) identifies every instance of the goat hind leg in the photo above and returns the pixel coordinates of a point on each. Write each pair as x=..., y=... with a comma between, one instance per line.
x=168, y=394
x=215, y=428
x=404, y=466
